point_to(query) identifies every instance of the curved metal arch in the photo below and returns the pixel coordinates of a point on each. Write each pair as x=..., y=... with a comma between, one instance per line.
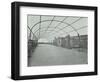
x=56, y=25
x=76, y=29
x=50, y=30
x=31, y=32
x=56, y=21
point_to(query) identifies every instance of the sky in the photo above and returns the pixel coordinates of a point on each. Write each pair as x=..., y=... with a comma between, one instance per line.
x=57, y=26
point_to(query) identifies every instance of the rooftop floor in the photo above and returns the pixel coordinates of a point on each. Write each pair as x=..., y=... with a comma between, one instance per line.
x=48, y=55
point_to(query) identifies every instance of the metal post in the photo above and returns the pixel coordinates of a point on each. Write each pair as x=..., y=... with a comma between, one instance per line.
x=79, y=41
x=39, y=26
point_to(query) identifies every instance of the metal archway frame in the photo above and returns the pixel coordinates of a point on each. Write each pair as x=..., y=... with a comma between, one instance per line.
x=58, y=21
x=32, y=33
x=61, y=22
x=53, y=20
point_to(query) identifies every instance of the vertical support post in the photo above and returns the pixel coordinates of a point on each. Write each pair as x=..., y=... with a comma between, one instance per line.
x=40, y=26
x=30, y=35
x=79, y=41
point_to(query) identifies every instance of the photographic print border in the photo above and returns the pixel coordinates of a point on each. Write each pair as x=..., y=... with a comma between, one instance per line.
x=15, y=40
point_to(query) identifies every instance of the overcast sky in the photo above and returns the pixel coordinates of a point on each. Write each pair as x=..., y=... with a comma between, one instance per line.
x=59, y=27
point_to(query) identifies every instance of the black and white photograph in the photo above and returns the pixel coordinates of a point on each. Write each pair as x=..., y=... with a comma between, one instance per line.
x=57, y=40
x=53, y=40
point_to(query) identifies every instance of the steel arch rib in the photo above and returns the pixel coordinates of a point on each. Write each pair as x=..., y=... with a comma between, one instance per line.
x=32, y=32
x=56, y=21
